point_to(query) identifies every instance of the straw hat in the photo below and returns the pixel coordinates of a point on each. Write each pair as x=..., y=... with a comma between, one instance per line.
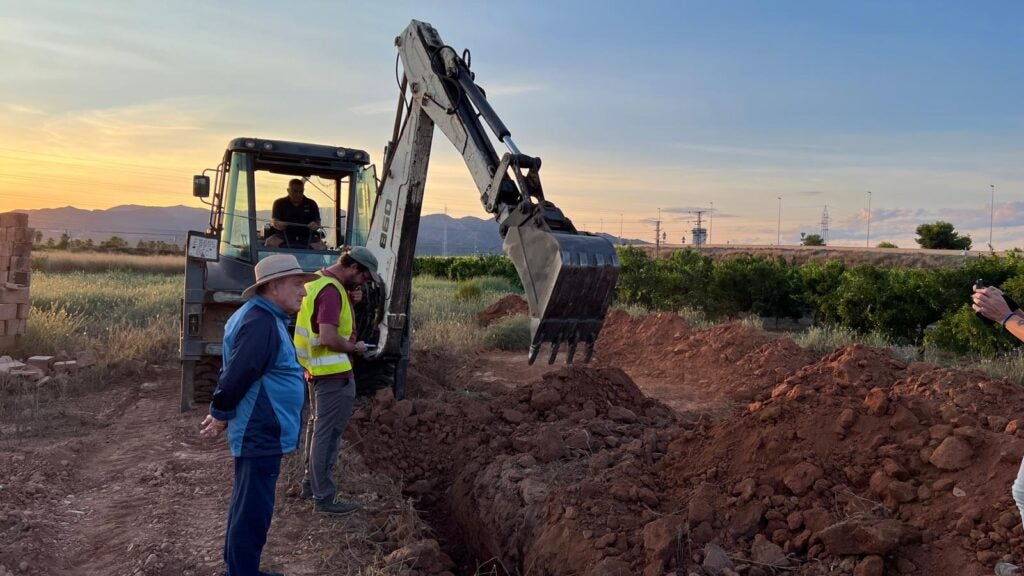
x=275, y=267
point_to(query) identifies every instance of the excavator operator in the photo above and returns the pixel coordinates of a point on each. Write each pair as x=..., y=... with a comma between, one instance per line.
x=295, y=220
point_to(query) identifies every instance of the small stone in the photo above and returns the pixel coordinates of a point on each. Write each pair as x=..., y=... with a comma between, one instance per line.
x=765, y=552
x=877, y=402
x=801, y=477
x=870, y=566
x=716, y=561
x=952, y=454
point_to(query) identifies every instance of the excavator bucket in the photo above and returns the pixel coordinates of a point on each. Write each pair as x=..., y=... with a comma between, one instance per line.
x=569, y=279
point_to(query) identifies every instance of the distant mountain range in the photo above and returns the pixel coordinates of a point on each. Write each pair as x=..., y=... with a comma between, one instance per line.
x=439, y=234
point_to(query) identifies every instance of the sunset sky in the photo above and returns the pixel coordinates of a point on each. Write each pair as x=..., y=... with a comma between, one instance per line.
x=633, y=107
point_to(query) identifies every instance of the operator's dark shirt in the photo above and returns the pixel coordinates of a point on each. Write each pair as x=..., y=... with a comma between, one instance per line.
x=308, y=211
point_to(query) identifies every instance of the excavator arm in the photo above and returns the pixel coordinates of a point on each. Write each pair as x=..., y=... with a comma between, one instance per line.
x=568, y=276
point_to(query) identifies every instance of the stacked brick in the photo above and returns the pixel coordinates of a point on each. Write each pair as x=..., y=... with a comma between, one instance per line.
x=15, y=272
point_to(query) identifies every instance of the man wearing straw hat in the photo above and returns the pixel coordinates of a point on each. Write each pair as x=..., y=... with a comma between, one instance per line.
x=258, y=398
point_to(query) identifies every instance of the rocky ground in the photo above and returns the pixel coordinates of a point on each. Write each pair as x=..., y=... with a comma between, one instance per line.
x=678, y=451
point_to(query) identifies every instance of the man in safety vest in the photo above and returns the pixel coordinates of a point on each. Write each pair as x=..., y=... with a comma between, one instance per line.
x=324, y=340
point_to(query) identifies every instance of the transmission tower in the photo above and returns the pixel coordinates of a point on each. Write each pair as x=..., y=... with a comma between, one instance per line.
x=824, y=225
x=699, y=234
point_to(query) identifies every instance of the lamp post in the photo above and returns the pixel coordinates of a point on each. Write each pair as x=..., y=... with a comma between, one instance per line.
x=867, y=241
x=711, y=222
x=778, y=229
x=991, y=214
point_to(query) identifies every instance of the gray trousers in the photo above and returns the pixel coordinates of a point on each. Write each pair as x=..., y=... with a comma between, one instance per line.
x=331, y=401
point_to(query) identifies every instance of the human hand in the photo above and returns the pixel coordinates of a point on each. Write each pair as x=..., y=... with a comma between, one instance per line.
x=989, y=302
x=212, y=427
x=278, y=225
x=313, y=225
x=360, y=347
x=355, y=296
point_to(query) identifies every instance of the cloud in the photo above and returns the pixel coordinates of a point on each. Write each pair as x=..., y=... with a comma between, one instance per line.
x=21, y=109
x=74, y=48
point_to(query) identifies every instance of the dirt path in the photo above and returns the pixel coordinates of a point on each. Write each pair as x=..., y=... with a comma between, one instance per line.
x=152, y=494
x=137, y=491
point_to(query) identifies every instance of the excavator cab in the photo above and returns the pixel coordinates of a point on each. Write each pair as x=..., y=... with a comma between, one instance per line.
x=254, y=174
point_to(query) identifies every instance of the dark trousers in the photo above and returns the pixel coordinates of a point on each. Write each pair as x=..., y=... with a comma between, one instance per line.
x=252, y=507
x=331, y=401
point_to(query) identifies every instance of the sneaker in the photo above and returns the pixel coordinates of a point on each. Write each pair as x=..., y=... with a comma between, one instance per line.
x=1007, y=569
x=336, y=507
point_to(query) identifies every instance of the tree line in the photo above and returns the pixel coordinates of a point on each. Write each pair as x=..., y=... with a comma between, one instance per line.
x=114, y=244
x=939, y=235
x=927, y=307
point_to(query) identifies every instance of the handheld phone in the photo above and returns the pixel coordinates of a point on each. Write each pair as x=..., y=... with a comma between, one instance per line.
x=979, y=284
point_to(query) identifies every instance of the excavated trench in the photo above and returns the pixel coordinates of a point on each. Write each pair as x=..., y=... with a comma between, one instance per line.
x=816, y=464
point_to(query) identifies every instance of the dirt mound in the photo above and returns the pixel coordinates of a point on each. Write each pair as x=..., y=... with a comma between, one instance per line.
x=852, y=460
x=858, y=443
x=511, y=305
x=731, y=360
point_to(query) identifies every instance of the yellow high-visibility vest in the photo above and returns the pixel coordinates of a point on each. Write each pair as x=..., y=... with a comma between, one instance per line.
x=320, y=360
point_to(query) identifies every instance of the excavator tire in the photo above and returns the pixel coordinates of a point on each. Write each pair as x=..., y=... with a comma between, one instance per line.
x=207, y=371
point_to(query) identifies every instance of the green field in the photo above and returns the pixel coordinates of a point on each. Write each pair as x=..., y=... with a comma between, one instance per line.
x=134, y=315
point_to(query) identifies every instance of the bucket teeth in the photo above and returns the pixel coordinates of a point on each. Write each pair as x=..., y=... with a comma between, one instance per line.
x=534, y=351
x=590, y=350
x=569, y=279
x=571, y=350
x=555, y=345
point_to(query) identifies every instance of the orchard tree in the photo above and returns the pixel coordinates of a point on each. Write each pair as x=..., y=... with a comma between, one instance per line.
x=941, y=235
x=887, y=245
x=813, y=240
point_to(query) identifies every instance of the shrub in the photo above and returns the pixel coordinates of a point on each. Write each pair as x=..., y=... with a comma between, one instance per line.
x=469, y=290
x=510, y=333
x=962, y=332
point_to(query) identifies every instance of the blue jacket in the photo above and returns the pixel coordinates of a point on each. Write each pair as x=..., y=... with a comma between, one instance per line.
x=261, y=386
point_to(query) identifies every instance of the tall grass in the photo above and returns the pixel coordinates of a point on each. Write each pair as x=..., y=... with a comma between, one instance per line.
x=827, y=338
x=444, y=312
x=116, y=315
x=59, y=261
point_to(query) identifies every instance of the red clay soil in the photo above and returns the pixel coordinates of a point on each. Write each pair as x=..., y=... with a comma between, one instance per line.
x=510, y=305
x=851, y=463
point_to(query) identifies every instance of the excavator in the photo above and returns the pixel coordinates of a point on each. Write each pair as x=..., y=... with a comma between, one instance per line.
x=568, y=275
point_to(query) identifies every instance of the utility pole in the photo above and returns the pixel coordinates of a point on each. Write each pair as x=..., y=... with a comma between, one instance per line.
x=657, y=235
x=991, y=214
x=778, y=230
x=711, y=221
x=867, y=241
